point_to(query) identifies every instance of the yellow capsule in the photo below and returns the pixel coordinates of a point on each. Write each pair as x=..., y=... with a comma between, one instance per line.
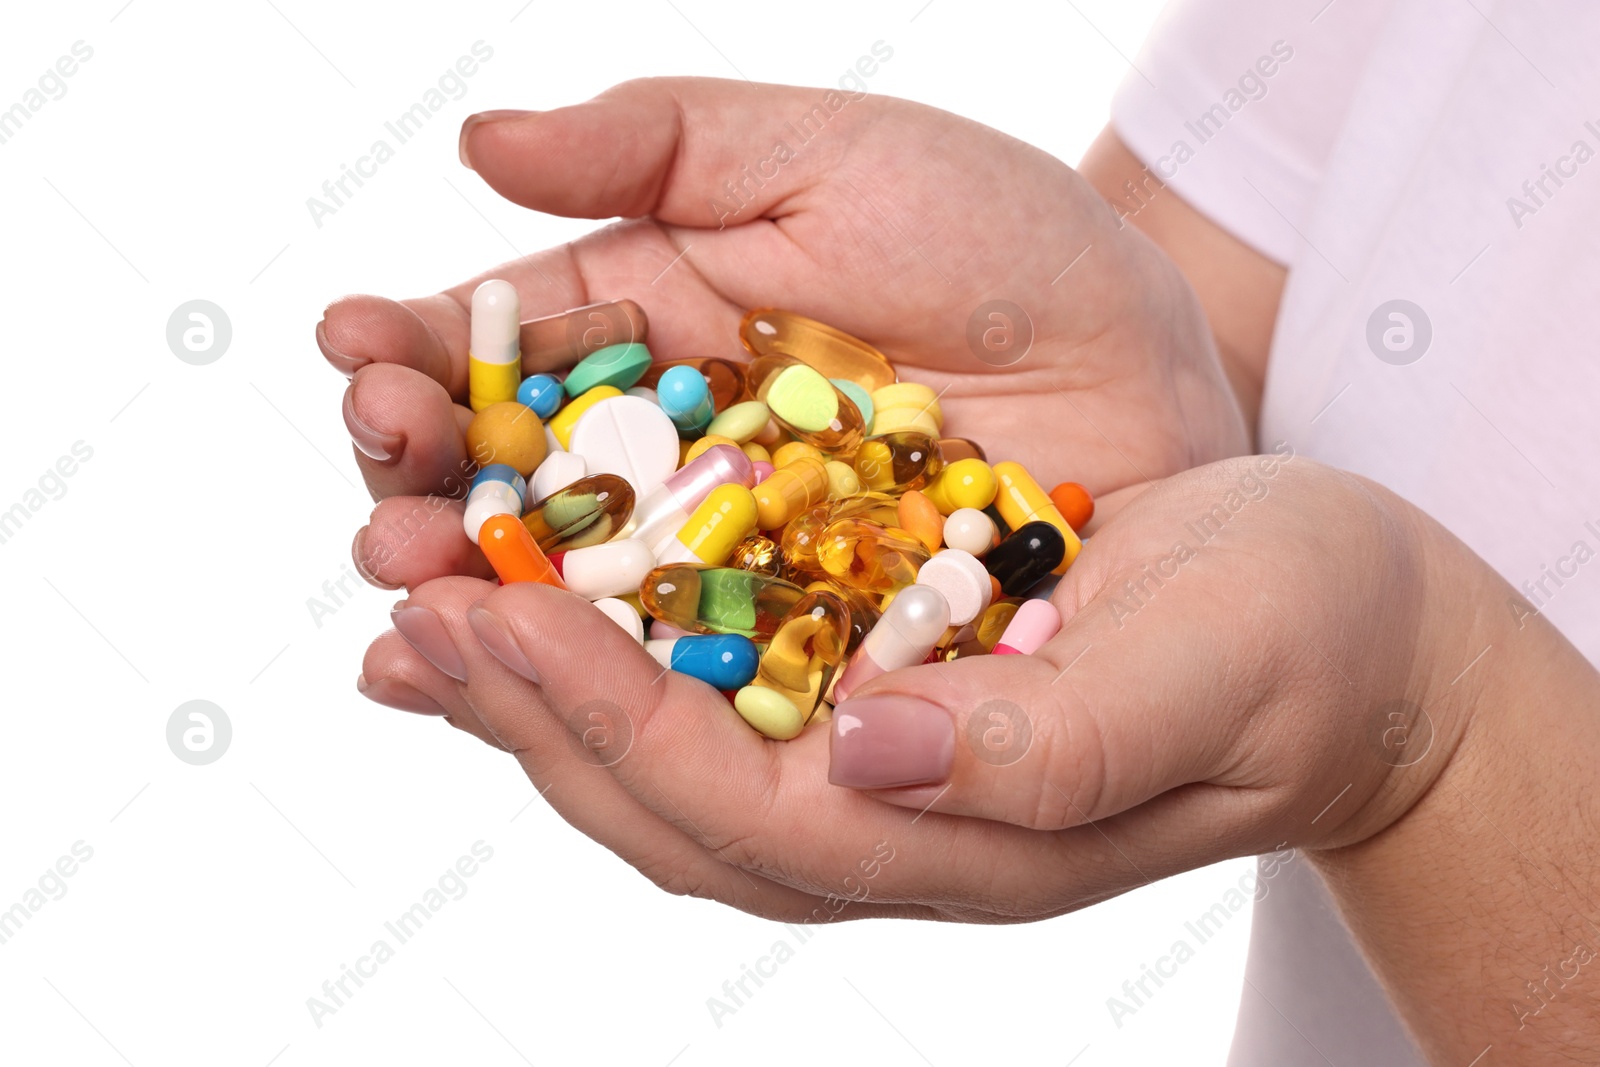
x=698, y=448
x=726, y=517
x=562, y=422
x=895, y=462
x=897, y=420
x=1022, y=500
x=786, y=454
x=966, y=483
x=789, y=491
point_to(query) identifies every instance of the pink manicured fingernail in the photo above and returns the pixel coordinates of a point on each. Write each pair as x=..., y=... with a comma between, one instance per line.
x=498, y=640
x=398, y=695
x=474, y=121
x=881, y=742
x=373, y=445
x=345, y=365
x=425, y=632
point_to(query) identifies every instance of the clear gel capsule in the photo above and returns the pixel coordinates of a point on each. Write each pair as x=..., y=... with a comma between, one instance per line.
x=588, y=512
x=866, y=556
x=806, y=404
x=769, y=331
x=724, y=378
x=896, y=462
x=807, y=650
x=717, y=600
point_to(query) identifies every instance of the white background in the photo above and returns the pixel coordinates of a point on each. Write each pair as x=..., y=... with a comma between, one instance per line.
x=219, y=498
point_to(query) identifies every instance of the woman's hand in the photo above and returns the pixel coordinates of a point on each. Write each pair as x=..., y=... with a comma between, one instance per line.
x=896, y=222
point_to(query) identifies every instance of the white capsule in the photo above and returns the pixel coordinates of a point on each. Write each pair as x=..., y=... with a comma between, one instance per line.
x=559, y=470
x=621, y=612
x=607, y=570
x=496, y=322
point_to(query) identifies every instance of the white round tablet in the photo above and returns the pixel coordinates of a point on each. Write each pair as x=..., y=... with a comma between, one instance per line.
x=630, y=437
x=621, y=612
x=967, y=529
x=962, y=580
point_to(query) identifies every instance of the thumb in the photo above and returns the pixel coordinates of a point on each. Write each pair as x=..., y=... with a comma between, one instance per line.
x=1099, y=720
x=689, y=151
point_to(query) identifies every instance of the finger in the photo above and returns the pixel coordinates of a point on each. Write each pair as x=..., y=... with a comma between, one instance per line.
x=407, y=433
x=511, y=712
x=410, y=540
x=1100, y=720
x=660, y=146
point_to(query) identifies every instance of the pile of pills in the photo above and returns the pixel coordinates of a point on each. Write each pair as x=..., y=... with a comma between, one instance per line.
x=791, y=527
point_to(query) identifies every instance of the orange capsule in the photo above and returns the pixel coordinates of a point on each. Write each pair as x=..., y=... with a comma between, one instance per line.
x=1074, y=503
x=918, y=517
x=514, y=554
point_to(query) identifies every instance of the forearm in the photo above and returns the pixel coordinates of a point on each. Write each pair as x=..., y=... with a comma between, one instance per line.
x=1480, y=908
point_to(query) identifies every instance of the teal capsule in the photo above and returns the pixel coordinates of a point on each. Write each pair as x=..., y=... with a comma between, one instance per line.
x=722, y=661
x=686, y=398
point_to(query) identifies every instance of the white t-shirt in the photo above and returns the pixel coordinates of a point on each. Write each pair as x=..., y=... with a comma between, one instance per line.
x=1429, y=171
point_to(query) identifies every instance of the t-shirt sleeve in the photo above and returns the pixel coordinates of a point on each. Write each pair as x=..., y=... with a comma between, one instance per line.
x=1237, y=104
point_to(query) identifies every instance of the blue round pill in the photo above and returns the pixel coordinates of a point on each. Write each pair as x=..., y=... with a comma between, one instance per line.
x=686, y=398
x=542, y=393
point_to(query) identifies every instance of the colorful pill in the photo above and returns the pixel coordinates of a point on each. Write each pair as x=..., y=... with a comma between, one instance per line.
x=715, y=600
x=966, y=483
x=542, y=393
x=860, y=397
x=588, y=512
x=722, y=661
x=724, y=518
x=919, y=518
x=962, y=580
x=666, y=509
x=723, y=378
x=564, y=421
x=1035, y=623
x=612, y=569
x=910, y=628
x=758, y=554
x=803, y=656
x=895, y=462
x=1021, y=501
x=806, y=404
x=513, y=553
x=971, y=531
x=494, y=358
x=867, y=556
x=790, y=490
x=685, y=396
x=786, y=454
x=508, y=433
x=619, y=366
x=769, y=331
x=496, y=490
x=1074, y=503
x=560, y=339
x=1032, y=551
x=769, y=713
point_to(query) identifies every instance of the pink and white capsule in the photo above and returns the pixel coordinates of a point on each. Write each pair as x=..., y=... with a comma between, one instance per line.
x=912, y=624
x=666, y=508
x=1034, y=624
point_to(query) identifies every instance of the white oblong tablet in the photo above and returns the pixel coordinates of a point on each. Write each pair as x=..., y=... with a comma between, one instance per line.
x=962, y=580
x=621, y=612
x=559, y=470
x=630, y=437
x=607, y=570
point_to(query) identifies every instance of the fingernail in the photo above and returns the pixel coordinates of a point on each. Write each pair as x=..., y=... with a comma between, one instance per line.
x=426, y=633
x=886, y=741
x=397, y=695
x=373, y=445
x=479, y=119
x=364, y=567
x=501, y=645
x=345, y=365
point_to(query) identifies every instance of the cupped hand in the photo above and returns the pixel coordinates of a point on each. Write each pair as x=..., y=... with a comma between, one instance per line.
x=1238, y=642
x=896, y=222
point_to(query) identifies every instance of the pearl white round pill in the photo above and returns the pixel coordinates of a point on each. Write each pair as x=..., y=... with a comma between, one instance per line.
x=967, y=529
x=630, y=437
x=962, y=580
